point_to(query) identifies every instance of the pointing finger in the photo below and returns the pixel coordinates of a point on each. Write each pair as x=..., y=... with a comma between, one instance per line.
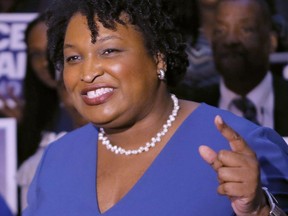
x=236, y=142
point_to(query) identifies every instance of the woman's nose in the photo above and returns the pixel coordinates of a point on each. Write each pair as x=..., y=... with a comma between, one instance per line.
x=90, y=71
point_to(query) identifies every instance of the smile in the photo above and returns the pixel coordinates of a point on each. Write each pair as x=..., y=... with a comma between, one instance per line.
x=98, y=92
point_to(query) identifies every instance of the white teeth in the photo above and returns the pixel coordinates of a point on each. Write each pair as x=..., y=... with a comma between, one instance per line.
x=98, y=92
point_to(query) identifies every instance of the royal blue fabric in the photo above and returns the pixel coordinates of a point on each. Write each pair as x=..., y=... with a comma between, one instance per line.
x=4, y=209
x=177, y=183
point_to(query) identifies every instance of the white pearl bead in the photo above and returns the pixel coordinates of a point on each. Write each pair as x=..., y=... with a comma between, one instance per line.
x=118, y=150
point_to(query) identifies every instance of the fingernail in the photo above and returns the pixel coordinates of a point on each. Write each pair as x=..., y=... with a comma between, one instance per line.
x=219, y=119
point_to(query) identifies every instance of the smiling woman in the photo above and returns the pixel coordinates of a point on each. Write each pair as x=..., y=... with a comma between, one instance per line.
x=141, y=154
x=104, y=77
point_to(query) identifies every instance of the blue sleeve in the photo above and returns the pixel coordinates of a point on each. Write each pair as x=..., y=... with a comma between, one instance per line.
x=272, y=153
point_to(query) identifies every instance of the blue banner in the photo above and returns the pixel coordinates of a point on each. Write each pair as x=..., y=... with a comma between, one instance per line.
x=13, y=51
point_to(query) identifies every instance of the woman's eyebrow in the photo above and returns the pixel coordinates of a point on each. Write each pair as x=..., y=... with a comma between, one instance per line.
x=67, y=45
x=101, y=39
x=109, y=37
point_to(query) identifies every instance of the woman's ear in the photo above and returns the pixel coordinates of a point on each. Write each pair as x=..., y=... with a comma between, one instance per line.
x=161, y=62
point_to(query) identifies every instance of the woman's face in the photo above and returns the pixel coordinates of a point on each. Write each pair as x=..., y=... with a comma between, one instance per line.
x=113, y=81
x=37, y=51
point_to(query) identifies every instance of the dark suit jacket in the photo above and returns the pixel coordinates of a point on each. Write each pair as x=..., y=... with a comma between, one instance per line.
x=211, y=96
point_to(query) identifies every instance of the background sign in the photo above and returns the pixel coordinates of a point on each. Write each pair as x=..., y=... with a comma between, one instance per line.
x=8, y=162
x=12, y=71
x=13, y=51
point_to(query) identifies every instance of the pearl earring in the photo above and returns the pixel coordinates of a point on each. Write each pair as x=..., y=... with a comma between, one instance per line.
x=161, y=74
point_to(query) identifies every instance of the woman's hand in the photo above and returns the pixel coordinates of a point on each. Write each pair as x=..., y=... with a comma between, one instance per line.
x=238, y=173
x=11, y=107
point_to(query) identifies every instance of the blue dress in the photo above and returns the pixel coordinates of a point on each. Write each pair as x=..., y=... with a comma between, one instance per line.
x=178, y=183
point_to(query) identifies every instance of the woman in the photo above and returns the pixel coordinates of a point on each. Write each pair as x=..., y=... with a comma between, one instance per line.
x=140, y=154
x=39, y=89
x=41, y=111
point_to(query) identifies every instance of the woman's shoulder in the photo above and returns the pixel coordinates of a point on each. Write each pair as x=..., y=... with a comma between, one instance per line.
x=67, y=150
x=258, y=137
x=203, y=116
x=81, y=131
x=205, y=113
x=75, y=139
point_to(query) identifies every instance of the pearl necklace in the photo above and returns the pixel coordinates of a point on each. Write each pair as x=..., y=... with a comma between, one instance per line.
x=118, y=150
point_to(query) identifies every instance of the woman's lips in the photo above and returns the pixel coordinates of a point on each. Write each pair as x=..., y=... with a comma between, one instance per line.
x=97, y=96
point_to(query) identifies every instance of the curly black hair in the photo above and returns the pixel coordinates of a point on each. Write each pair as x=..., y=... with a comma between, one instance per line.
x=149, y=16
x=186, y=17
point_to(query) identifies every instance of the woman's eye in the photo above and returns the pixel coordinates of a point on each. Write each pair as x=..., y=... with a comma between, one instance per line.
x=109, y=51
x=72, y=59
